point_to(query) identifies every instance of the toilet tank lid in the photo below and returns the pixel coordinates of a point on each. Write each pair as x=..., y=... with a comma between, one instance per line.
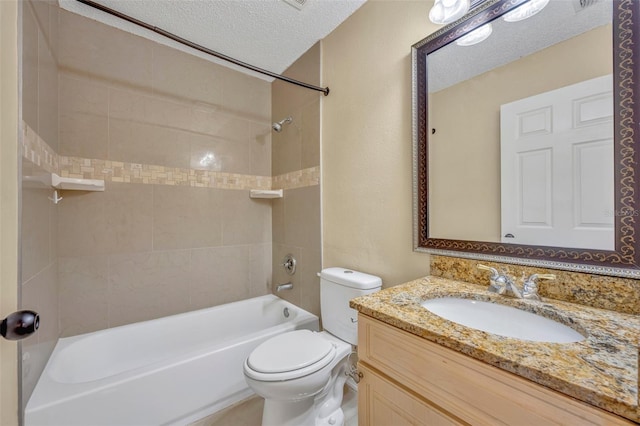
x=350, y=278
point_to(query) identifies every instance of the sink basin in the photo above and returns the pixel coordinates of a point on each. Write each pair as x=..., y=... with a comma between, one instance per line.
x=502, y=320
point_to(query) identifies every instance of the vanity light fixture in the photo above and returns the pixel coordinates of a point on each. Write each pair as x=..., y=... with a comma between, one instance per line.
x=525, y=11
x=475, y=36
x=446, y=11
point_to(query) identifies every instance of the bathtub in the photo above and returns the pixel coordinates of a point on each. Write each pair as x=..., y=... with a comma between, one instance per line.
x=169, y=371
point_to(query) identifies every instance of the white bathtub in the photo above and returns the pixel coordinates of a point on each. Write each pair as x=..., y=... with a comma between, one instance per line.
x=169, y=371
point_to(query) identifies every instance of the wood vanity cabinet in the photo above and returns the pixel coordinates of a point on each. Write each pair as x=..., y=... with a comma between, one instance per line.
x=408, y=380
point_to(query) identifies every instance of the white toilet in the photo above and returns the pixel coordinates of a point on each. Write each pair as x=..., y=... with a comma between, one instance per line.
x=301, y=374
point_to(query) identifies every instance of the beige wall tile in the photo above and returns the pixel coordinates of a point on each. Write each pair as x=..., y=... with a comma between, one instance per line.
x=310, y=139
x=129, y=211
x=143, y=107
x=83, y=135
x=185, y=217
x=107, y=53
x=228, y=156
x=261, y=154
x=186, y=77
x=209, y=120
x=47, y=287
x=148, y=144
x=54, y=241
x=35, y=232
x=287, y=146
x=83, y=116
x=302, y=217
x=118, y=220
x=40, y=9
x=40, y=294
x=260, y=264
x=82, y=224
x=83, y=294
x=247, y=96
x=82, y=94
x=277, y=221
x=238, y=129
x=47, y=93
x=145, y=111
x=145, y=286
x=29, y=68
x=245, y=220
x=219, y=275
x=310, y=265
x=307, y=68
x=54, y=29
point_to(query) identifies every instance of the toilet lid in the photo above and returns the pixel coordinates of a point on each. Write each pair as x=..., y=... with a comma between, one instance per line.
x=289, y=351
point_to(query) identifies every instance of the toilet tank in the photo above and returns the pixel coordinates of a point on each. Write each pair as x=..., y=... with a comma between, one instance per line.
x=337, y=287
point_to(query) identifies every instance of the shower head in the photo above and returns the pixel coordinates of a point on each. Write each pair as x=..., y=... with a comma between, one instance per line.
x=278, y=126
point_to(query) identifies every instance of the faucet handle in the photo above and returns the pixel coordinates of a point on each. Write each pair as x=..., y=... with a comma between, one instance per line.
x=494, y=271
x=497, y=281
x=544, y=276
x=530, y=286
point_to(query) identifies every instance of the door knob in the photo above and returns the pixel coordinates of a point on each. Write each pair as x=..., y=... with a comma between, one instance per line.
x=19, y=325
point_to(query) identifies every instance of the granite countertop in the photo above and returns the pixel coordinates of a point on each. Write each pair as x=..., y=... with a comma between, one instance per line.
x=601, y=370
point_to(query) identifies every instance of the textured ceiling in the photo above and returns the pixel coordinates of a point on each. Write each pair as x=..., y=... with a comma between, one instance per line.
x=269, y=34
x=557, y=22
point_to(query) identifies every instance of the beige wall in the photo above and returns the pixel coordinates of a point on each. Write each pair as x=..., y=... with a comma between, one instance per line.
x=8, y=205
x=296, y=216
x=139, y=250
x=39, y=216
x=366, y=141
x=465, y=175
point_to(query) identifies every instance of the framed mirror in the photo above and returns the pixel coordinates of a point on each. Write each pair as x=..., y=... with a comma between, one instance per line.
x=525, y=143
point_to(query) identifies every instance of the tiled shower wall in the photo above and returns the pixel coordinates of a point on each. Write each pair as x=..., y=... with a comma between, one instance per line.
x=160, y=245
x=39, y=258
x=296, y=216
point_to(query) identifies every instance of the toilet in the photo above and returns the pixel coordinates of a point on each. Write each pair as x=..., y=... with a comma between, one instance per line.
x=301, y=374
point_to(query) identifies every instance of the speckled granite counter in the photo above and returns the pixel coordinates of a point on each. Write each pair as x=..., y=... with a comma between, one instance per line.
x=601, y=370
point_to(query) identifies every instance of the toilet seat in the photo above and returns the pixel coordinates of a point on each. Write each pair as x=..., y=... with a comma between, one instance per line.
x=289, y=356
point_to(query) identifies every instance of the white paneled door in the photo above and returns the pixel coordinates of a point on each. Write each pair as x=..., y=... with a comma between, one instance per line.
x=557, y=183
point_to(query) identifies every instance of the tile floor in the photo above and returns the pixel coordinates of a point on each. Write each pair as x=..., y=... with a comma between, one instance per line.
x=249, y=412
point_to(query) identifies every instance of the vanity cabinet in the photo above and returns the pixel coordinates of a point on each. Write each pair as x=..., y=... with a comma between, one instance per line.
x=410, y=380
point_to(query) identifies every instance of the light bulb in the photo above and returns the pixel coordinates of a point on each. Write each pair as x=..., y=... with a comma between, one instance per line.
x=446, y=11
x=525, y=11
x=475, y=36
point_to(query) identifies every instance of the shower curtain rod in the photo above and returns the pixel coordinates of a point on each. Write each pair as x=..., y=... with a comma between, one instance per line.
x=203, y=49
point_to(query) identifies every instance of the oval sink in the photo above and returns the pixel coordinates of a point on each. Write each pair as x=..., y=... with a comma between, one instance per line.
x=502, y=320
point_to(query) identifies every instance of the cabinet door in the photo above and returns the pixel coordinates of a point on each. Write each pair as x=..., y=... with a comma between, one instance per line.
x=383, y=403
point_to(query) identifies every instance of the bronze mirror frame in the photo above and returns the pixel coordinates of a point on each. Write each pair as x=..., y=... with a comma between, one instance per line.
x=624, y=260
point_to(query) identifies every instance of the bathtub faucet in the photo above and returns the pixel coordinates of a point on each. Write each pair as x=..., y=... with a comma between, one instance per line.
x=287, y=286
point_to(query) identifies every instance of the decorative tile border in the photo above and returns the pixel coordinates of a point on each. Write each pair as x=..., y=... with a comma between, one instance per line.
x=118, y=171
x=37, y=151
x=297, y=179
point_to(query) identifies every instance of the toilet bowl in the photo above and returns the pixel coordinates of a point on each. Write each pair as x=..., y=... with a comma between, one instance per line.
x=301, y=374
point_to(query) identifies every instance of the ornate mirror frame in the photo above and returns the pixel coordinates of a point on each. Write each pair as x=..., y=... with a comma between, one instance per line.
x=624, y=260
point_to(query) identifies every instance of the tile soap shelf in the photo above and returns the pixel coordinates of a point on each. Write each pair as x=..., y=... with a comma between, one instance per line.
x=66, y=183
x=266, y=193
x=76, y=184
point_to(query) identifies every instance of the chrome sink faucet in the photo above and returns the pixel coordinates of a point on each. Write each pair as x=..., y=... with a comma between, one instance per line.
x=501, y=283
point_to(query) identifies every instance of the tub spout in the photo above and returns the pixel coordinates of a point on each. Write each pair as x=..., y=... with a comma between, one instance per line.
x=287, y=286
